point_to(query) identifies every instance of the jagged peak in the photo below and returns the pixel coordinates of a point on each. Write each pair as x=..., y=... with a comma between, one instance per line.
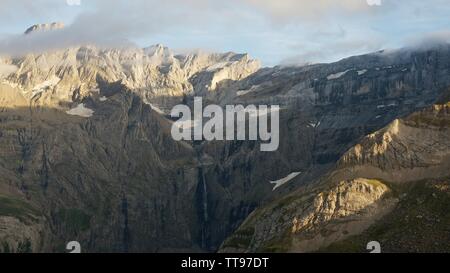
x=158, y=50
x=44, y=27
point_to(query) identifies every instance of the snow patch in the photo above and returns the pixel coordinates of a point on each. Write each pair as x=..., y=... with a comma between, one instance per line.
x=314, y=124
x=81, y=111
x=157, y=109
x=103, y=99
x=382, y=106
x=337, y=75
x=362, y=72
x=44, y=86
x=245, y=92
x=217, y=66
x=283, y=181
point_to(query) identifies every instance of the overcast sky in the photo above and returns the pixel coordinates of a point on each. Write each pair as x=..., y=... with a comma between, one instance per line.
x=274, y=31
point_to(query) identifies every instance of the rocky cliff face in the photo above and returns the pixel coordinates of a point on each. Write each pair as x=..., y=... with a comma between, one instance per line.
x=393, y=180
x=107, y=180
x=86, y=151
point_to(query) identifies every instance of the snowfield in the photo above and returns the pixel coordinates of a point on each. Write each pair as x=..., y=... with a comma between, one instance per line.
x=245, y=92
x=337, y=75
x=44, y=86
x=81, y=111
x=362, y=72
x=283, y=181
x=314, y=124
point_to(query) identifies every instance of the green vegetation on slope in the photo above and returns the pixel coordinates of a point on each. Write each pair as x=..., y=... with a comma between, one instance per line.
x=420, y=222
x=17, y=208
x=74, y=220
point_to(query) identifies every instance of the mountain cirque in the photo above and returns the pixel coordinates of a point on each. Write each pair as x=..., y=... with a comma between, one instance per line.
x=86, y=153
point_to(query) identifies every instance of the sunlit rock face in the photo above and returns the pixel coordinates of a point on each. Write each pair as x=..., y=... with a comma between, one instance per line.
x=155, y=73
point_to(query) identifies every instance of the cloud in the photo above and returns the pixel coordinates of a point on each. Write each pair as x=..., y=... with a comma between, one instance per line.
x=16, y=11
x=330, y=52
x=428, y=40
x=309, y=10
x=115, y=23
x=110, y=23
x=6, y=69
x=311, y=30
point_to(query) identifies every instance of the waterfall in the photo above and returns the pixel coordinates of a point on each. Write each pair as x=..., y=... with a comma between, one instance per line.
x=205, y=198
x=202, y=206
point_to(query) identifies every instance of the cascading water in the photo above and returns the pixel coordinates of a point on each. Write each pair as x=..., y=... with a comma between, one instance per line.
x=202, y=206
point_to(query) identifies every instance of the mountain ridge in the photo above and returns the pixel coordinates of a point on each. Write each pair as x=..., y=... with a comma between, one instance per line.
x=117, y=182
